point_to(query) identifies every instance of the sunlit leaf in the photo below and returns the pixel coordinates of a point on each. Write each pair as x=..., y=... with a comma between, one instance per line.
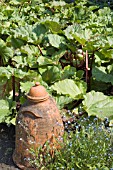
x=63, y=100
x=83, y=36
x=43, y=60
x=25, y=86
x=96, y=103
x=20, y=61
x=70, y=30
x=19, y=73
x=5, y=52
x=4, y=110
x=55, y=40
x=58, y=3
x=70, y=88
x=39, y=30
x=6, y=72
x=110, y=40
x=53, y=26
x=13, y=121
x=26, y=33
x=108, y=53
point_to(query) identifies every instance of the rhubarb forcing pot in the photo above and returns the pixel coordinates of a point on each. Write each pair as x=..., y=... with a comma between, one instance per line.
x=38, y=121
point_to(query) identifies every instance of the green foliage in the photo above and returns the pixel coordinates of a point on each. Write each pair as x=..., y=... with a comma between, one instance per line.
x=96, y=103
x=100, y=74
x=50, y=45
x=6, y=110
x=89, y=148
x=76, y=89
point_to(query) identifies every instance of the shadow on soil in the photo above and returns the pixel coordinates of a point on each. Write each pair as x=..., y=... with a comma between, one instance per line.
x=7, y=144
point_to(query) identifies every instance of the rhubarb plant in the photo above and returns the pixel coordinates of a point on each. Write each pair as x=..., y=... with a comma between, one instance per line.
x=67, y=47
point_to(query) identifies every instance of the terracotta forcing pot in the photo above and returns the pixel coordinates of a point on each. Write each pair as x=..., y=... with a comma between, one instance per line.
x=38, y=121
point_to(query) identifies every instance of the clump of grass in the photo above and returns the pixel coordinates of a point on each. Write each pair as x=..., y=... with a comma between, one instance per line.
x=88, y=147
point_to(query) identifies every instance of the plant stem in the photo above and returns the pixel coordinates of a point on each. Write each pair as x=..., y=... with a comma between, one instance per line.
x=13, y=87
x=90, y=73
x=87, y=67
x=40, y=49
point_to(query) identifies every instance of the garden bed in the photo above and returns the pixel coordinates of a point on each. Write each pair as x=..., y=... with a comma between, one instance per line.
x=7, y=144
x=88, y=142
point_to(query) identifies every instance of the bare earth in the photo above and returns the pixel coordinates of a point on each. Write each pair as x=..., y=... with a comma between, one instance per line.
x=7, y=144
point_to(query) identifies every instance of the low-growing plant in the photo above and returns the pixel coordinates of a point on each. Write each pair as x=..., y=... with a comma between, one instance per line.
x=89, y=147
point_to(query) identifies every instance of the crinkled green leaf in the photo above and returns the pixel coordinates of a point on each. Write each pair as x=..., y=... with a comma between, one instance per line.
x=100, y=74
x=4, y=110
x=100, y=58
x=25, y=87
x=63, y=100
x=15, y=2
x=99, y=85
x=6, y=72
x=13, y=121
x=70, y=30
x=105, y=11
x=19, y=73
x=110, y=40
x=70, y=88
x=51, y=74
x=58, y=3
x=96, y=103
x=20, y=61
x=9, y=72
x=53, y=26
x=40, y=31
x=107, y=53
x=58, y=54
x=68, y=72
x=32, y=61
x=5, y=52
x=83, y=36
x=30, y=50
x=17, y=43
x=8, y=10
x=43, y=60
x=25, y=33
x=110, y=68
x=55, y=40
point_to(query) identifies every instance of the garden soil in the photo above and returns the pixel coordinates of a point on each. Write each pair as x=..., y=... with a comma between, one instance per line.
x=7, y=144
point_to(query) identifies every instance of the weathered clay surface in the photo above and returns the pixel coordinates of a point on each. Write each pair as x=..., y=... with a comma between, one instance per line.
x=36, y=123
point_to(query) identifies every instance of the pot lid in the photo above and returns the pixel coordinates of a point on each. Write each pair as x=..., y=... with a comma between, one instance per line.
x=37, y=93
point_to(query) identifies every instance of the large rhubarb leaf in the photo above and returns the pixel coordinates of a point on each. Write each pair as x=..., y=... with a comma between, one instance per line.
x=51, y=74
x=71, y=88
x=5, y=52
x=25, y=87
x=100, y=74
x=53, y=26
x=96, y=103
x=55, y=40
x=63, y=100
x=83, y=36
